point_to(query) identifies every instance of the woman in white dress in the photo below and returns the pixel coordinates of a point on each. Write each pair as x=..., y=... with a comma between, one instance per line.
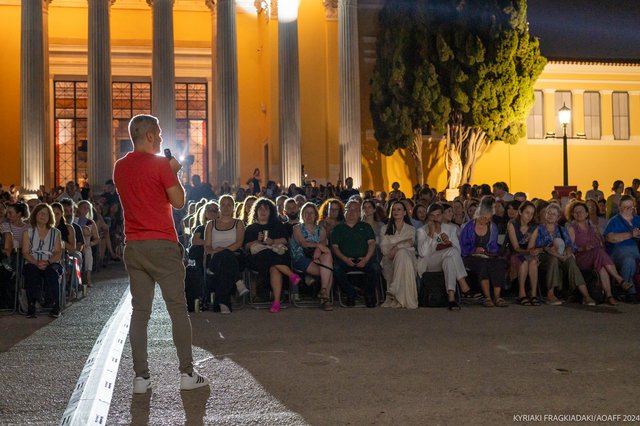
x=399, y=259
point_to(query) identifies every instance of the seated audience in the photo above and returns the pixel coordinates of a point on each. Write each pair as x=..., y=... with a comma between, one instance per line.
x=224, y=236
x=622, y=236
x=594, y=218
x=371, y=216
x=265, y=239
x=70, y=192
x=353, y=243
x=479, y=246
x=42, y=251
x=524, y=261
x=311, y=254
x=90, y=234
x=557, y=257
x=16, y=225
x=399, y=259
x=439, y=250
x=331, y=214
x=420, y=215
x=590, y=252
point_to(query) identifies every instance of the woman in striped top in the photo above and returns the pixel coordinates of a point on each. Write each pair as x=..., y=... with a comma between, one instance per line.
x=42, y=250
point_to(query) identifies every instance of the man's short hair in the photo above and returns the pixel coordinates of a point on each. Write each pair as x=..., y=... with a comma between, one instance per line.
x=140, y=125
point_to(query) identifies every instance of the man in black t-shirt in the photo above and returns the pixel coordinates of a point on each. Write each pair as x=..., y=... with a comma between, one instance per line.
x=346, y=193
x=292, y=212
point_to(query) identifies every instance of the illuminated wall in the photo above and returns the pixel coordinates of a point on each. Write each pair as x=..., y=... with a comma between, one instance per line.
x=531, y=165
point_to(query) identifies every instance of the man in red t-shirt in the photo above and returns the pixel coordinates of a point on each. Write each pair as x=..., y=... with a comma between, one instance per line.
x=148, y=187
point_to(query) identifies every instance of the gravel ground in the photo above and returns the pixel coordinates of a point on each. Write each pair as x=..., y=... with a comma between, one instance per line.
x=350, y=366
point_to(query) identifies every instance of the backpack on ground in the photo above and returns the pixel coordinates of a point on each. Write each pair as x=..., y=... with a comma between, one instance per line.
x=433, y=291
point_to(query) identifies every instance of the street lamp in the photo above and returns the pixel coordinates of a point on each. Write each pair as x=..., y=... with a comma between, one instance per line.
x=564, y=116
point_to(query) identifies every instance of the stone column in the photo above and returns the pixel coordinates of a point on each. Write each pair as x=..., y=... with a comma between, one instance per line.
x=49, y=153
x=32, y=96
x=226, y=70
x=350, y=129
x=99, y=123
x=163, y=104
x=213, y=103
x=289, y=99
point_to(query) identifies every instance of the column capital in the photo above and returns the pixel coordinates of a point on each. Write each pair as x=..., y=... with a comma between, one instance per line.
x=330, y=9
x=211, y=4
x=262, y=6
x=150, y=2
x=274, y=9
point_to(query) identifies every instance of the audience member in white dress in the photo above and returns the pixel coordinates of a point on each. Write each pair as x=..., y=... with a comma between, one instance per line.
x=399, y=259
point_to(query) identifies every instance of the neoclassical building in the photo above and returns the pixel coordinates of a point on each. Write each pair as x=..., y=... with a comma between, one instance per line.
x=280, y=85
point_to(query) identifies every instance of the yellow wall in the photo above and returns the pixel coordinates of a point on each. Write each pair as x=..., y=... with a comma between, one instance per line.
x=10, y=94
x=532, y=166
x=536, y=166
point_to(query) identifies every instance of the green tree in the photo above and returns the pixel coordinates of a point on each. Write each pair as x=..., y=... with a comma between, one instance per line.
x=462, y=68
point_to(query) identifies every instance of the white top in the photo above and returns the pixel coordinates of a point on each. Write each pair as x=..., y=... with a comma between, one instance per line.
x=427, y=245
x=223, y=238
x=42, y=249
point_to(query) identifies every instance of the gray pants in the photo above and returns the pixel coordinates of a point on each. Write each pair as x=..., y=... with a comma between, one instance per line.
x=149, y=262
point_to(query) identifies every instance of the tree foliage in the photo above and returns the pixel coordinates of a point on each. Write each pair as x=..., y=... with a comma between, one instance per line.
x=464, y=68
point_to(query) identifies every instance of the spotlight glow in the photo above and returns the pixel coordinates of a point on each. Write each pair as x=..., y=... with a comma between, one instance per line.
x=288, y=10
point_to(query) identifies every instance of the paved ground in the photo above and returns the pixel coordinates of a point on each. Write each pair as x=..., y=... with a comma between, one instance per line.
x=349, y=366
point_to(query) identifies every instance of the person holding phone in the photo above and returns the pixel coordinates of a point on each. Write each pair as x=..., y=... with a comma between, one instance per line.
x=149, y=188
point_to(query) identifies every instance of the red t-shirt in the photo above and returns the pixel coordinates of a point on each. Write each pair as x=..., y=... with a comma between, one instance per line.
x=142, y=180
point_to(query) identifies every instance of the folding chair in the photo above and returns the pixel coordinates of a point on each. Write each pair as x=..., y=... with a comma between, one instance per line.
x=260, y=297
x=237, y=301
x=10, y=265
x=307, y=293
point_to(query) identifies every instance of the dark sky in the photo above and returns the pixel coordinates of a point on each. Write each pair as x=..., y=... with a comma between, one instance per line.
x=604, y=29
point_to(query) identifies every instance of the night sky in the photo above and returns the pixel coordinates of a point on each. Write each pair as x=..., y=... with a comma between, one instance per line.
x=604, y=29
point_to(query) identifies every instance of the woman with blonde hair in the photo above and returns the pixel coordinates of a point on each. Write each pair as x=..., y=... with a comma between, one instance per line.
x=311, y=253
x=223, y=241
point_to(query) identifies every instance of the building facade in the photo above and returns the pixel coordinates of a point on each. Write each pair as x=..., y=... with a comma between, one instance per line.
x=278, y=85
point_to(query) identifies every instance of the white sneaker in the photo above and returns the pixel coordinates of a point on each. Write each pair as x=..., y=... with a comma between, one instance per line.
x=242, y=289
x=141, y=385
x=192, y=381
x=224, y=309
